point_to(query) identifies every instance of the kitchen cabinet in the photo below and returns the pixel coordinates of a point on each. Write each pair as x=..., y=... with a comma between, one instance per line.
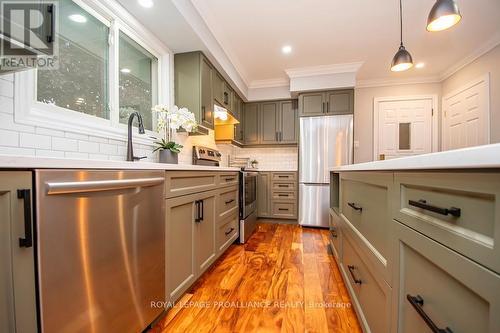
x=227, y=98
x=333, y=102
x=414, y=248
x=277, y=195
x=17, y=276
x=238, y=113
x=269, y=123
x=218, y=88
x=251, y=124
x=288, y=122
x=201, y=220
x=194, y=86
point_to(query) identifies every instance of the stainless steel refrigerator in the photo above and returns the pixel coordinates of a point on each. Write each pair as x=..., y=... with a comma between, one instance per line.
x=325, y=142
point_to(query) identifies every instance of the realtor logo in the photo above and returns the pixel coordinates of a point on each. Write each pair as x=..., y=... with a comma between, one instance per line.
x=28, y=34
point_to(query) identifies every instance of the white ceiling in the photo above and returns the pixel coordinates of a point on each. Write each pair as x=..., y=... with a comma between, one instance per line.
x=324, y=32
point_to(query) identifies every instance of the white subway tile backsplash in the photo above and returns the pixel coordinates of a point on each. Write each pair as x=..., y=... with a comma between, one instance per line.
x=64, y=144
x=6, y=88
x=17, y=151
x=6, y=105
x=77, y=156
x=98, y=139
x=9, y=138
x=49, y=153
x=8, y=77
x=88, y=147
x=30, y=140
x=50, y=132
x=7, y=122
x=76, y=136
x=98, y=157
x=108, y=149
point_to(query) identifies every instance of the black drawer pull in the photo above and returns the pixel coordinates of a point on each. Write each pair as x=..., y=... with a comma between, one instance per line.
x=351, y=270
x=283, y=209
x=333, y=232
x=229, y=231
x=282, y=185
x=283, y=176
x=453, y=211
x=229, y=179
x=27, y=241
x=229, y=201
x=418, y=302
x=283, y=195
x=354, y=206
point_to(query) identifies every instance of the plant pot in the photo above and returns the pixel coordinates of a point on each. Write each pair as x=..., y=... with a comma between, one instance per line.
x=166, y=156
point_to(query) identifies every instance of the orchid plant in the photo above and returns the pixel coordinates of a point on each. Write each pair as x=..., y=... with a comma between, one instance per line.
x=170, y=119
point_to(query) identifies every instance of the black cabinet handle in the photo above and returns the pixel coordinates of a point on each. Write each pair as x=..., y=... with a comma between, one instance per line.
x=229, y=201
x=203, y=113
x=27, y=241
x=354, y=206
x=282, y=185
x=282, y=176
x=351, y=270
x=229, y=231
x=199, y=210
x=229, y=179
x=333, y=232
x=283, y=195
x=453, y=211
x=418, y=302
x=50, y=36
x=226, y=98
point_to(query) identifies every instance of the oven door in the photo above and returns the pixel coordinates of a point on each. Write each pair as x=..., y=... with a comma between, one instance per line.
x=249, y=193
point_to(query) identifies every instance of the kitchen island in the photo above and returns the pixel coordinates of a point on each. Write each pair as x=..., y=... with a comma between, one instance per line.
x=417, y=240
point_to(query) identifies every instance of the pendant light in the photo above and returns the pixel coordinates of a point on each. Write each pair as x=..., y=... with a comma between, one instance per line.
x=443, y=15
x=402, y=61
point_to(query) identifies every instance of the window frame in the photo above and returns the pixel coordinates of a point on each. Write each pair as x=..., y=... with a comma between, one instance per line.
x=29, y=111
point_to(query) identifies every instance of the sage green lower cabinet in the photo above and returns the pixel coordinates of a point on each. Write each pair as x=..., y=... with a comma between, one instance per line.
x=277, y=195
x=418, y=250
x=17, y=276
x=193, y=227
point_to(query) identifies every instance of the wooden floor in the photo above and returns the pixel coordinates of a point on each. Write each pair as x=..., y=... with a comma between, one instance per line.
x=282, y=280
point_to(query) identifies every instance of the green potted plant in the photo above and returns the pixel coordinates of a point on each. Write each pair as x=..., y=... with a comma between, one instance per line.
x=170, y=119
x=254, y=163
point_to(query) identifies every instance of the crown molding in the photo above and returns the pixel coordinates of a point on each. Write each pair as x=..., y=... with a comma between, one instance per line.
x=269, y=83
x=396, y=81
x=351, y=67
x=477, y=53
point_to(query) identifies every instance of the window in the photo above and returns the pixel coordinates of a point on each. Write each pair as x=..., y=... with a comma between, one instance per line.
x=81, y=82
x=138, y=90
x=404, y=136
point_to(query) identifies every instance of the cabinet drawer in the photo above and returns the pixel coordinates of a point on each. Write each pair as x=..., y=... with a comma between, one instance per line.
x=227, y=231
x=365, y=203
x=335, y=234
x=229, y=178
x=284, y=176
x=280, y=185
x=449, y=289
x=179, y=183
x=228, y=201
x=459, y=210
x=284, y=195
x=284, y=209
x=370, y=293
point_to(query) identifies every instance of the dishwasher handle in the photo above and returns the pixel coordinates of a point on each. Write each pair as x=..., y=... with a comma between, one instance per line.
x=100, y=185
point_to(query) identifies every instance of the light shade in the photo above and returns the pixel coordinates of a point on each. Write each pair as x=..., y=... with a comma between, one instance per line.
x=402, y=60
x=443, y=15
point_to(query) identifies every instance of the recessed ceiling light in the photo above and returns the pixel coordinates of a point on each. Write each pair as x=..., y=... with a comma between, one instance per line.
x=146, y=3
x=286, y=49
x=420, y=65
x=125, y=70
x=78, y=18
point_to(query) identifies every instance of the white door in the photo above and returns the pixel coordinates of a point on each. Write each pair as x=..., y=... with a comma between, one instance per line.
x=404, y=128
x=466, y=116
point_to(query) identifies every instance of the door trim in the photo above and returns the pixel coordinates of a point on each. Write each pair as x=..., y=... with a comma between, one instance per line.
x=435, y=118
x=486, y=112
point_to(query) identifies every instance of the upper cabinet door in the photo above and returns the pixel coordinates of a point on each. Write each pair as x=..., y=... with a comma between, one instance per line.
x=312, y=104
x=340, y=102
x=227, y=98
x=288, y=122
x=207, y=104
x=218, y=88
x=269, y=119
x=251, y=124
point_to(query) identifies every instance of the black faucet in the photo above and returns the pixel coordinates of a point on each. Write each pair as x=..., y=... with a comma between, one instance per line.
x=130, y=149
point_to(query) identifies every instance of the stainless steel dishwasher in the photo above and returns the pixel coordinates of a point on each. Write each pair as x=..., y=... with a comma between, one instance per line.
x=100, y=249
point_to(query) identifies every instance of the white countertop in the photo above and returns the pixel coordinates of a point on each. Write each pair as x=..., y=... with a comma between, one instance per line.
x=468, y=158
x=20, y=162
x=275, y=170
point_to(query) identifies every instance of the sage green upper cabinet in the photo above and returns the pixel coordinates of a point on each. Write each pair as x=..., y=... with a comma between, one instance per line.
x=340, y=102
x=193, y=86
x=251, y=124
x=238, y=114
x=227, y=98
x=288, y=122
x=269, y=123
x=312, y=104
x=327, y=103
x=218, y=88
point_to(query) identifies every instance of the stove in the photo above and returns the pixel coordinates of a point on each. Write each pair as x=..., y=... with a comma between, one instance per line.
x=206, y=156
